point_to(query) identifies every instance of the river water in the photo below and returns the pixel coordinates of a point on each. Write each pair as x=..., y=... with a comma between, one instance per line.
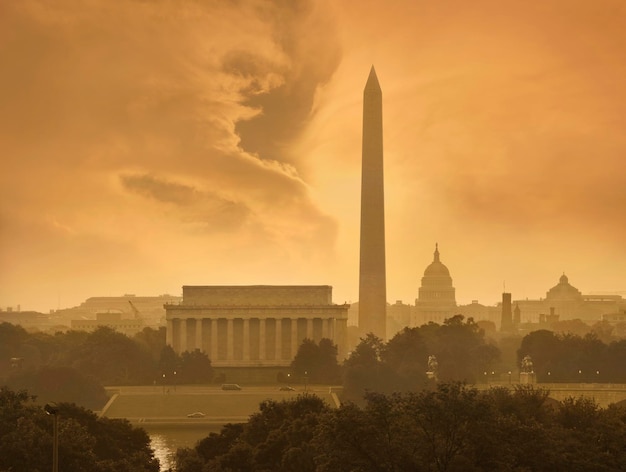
x=166, y=439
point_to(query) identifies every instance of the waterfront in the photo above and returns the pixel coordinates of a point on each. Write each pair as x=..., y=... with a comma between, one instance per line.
x=165, y=440
x=165, y=414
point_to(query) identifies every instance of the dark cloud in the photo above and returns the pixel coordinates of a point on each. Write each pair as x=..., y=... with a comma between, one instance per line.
x=309, y=39
x=206, y=211
x=161, y=190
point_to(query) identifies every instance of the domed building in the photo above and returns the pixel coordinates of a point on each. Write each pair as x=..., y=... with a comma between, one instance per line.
x=436, y=300
x=566, y=302
x=564, y=292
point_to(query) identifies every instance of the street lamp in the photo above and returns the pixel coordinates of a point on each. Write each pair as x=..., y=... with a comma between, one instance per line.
x=306, y=378
x=53, y=410
x=174, y=380
x=509, y=377
x=164, y=384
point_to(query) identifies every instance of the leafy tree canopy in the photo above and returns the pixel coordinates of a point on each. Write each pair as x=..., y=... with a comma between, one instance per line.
x=450, y=428
x=571, y=358
x=318, y=361
x=459, y=345
x=86, y=443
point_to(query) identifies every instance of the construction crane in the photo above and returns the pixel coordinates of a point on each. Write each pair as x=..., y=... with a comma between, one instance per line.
x=135, y=311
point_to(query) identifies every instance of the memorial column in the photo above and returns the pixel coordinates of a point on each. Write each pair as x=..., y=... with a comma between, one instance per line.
x=199, y=334
x=183, y=335
x=262, y=340
x=246, y=339
x=279, y=339
x=309, y=328
x=213, y=346
x=294, y=337
x=230, y=340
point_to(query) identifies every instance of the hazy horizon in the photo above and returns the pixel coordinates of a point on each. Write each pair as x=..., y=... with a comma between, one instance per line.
x=151, y=145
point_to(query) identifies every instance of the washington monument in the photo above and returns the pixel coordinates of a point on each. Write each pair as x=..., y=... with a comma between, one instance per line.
x=372, y=278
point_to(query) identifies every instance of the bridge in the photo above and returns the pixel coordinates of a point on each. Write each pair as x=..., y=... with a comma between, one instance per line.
x=603, y=394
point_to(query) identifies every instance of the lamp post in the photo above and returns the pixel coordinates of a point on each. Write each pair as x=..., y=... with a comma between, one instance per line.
x=509, y=377
x=53, y=410
x=163, y=384
x=174, y=380
x=306, y=378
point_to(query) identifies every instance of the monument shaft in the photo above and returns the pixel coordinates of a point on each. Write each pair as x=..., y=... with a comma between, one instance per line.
x=372, y=273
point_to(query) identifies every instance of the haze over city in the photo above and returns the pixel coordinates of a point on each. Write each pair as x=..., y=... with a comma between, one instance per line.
x=150, y=145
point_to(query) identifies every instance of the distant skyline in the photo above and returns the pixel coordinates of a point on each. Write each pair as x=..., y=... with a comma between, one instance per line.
x=151, y=145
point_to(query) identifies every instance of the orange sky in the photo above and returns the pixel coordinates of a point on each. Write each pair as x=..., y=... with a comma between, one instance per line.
x=150, y=145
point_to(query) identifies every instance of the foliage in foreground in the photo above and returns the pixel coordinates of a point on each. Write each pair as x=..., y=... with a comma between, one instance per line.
x=452, y=428
x=86, y=442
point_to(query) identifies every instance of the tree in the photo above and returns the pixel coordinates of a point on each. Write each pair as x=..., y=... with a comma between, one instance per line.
x=215, y=444
x=319, y=361
x=462, y=352
x=114, y=358
x=60, y=384
x=371, y=438
x=545, y=350
x=446, y=423
x=406, y=355
x=570, y=358
x=401, y=365
x=85, y=441
x=364, y=370
x=452, y=428
x=195, y=367
x=169, y=361
x=11, y=338
x=278, y=437
x=152, y=340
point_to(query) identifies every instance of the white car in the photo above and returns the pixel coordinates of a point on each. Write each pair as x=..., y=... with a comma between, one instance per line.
x=197, y=414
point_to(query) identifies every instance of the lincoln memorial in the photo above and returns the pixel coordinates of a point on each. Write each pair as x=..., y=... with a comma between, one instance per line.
x=254, y=326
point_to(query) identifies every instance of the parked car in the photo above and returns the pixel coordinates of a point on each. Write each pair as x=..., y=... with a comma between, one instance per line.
x=196, y=414
x=231, y=387
x=286, y=389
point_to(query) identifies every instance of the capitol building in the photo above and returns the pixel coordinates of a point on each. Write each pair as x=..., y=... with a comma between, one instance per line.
x=436, y=300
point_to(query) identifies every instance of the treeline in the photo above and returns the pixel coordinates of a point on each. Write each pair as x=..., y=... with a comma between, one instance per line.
x=450, y=428
x=86, y=442
x=571, y=358
x=74, y=365
x=400, y=365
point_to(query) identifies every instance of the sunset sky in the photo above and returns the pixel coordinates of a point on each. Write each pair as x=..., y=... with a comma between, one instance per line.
x=147, y=145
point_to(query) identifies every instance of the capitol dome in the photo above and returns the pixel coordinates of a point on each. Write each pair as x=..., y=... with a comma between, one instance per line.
x=436, y=268
x=436, y=299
